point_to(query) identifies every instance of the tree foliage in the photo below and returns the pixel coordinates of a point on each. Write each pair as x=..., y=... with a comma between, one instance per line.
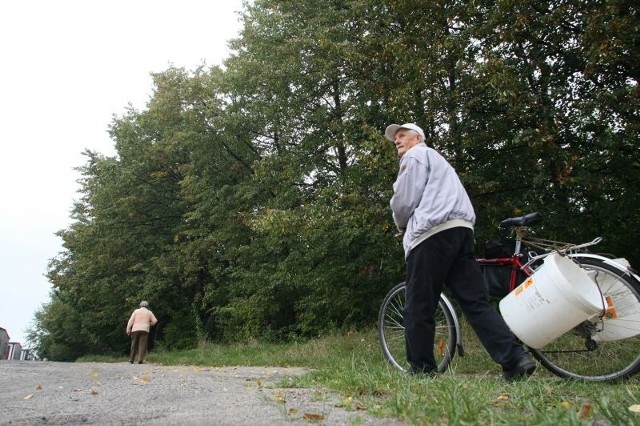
x=251, y=200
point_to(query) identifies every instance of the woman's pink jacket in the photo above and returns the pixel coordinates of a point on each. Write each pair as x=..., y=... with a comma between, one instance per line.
x=141, y=319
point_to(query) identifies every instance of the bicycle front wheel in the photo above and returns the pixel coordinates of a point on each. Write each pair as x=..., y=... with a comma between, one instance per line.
x=391, y=331
x=600, y=350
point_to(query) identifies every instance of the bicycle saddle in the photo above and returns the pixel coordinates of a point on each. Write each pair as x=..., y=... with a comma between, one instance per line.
x=527, y=219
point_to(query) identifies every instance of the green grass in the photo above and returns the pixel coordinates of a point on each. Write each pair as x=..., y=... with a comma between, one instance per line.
x=471, y=393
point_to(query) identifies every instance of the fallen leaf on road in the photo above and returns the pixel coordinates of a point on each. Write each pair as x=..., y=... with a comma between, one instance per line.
x=346, y=402
x=28, y=396
x=279, y=397
x=39, y=387
x=358, y=406
x=585, y=411
x=93, y=391
x=313, y=417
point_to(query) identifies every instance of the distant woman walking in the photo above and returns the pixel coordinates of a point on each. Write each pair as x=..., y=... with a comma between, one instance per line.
x=138, y=328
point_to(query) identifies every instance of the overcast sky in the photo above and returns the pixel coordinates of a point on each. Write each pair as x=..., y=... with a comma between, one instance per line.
x=66, y=67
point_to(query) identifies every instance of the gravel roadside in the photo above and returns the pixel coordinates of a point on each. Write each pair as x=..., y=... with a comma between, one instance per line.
x=54, y=393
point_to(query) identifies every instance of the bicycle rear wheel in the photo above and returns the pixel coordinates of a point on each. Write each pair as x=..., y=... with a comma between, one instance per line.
x=606, y=349
x=391, y=331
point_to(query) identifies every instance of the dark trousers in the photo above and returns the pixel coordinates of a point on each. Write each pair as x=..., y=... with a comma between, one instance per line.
x=138, y=346
x=448, y=258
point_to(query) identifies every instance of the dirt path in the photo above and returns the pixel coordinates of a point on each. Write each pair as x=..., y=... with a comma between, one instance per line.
x=52, y=393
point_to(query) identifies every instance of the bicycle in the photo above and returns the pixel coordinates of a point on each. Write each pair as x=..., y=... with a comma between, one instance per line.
x=604, y=348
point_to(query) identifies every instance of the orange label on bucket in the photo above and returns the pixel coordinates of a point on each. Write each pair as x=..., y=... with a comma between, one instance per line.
x=611, y=312
x=525, y=285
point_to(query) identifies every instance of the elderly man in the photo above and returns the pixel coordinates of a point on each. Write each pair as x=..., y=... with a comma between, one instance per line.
x=431, y=207
x=138, y=328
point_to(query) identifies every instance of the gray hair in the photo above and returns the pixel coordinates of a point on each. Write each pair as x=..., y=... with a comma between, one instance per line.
x=144, y=304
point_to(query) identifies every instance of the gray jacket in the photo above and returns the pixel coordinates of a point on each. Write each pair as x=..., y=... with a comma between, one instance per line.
x=428, y=197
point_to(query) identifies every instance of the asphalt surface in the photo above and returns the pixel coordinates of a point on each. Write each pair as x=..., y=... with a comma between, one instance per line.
x=54, y=393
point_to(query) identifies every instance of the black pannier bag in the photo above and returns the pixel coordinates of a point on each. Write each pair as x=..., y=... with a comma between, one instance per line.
x=497, y=277
x=494, y=249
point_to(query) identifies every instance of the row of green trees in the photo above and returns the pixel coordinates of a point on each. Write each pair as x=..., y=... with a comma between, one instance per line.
x=251, y=200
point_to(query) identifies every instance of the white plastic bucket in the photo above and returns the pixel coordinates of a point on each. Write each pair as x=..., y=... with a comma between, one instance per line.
x=556, y=298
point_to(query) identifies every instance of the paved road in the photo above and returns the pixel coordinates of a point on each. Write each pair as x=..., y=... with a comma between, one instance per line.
x=53, y=393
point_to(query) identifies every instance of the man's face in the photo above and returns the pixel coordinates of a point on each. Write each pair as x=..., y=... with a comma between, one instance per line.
x=405, y=140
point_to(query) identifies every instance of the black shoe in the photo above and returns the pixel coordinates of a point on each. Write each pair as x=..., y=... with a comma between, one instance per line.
x=525, y=367
x=422, y=372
